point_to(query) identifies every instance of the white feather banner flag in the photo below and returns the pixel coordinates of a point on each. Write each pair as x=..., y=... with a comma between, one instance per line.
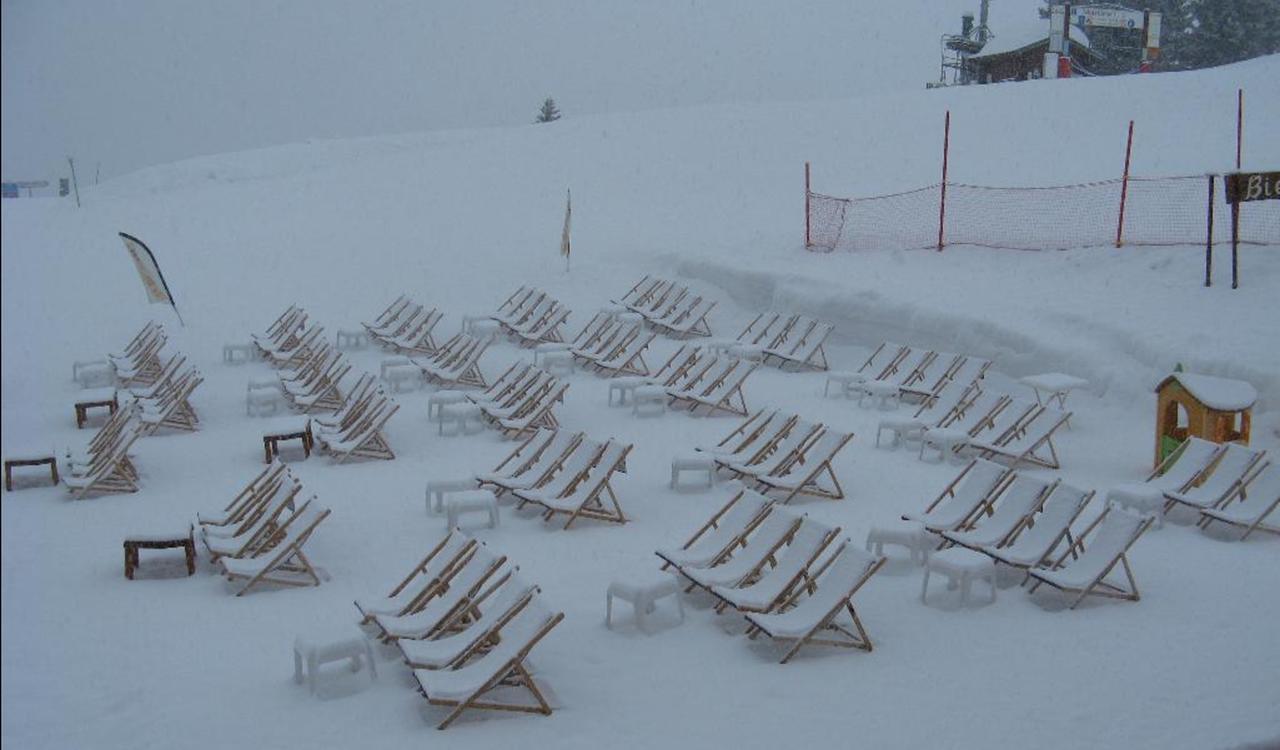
x=149, y=271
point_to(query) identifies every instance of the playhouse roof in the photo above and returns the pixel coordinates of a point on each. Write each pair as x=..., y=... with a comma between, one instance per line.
x=1223, y=394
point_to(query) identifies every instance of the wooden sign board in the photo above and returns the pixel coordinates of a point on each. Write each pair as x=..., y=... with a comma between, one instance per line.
x=1244, y=187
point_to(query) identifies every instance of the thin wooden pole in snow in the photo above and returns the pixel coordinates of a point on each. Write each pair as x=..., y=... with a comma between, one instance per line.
x=1124, y=186
x=1208, y=240
x=942, y=203
x=1239, y=126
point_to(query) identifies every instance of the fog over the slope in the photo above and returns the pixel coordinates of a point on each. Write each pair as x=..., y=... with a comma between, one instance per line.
x=130, y=84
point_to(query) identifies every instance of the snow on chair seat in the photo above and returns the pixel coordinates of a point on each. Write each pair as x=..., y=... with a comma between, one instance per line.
x=285, y=563
x=1032, y=545
x=963, y=498
x=642, y=593
x=502, y=666
x=1015, y=502
x=1250, y=505
x=430, y=615
x=431, y=573
x=1236, y=464
x=767, y=590
x=533, y=462
x=763, y=543
x=1114, y=532
x=453, y=649
x=802, y=475
x=472, y=501
x=716, y=538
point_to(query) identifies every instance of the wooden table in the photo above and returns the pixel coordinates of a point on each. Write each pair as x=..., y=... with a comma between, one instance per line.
x=32, y=461
x=271, y=441
x=92, y=402
x=159, y=541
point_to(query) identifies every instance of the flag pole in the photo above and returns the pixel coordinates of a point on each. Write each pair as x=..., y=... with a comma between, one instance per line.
x=566, y=246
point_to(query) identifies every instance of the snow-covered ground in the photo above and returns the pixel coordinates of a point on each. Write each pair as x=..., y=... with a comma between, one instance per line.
x=713, y=195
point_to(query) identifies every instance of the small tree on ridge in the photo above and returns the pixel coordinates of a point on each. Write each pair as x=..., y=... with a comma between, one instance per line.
x=549, y=112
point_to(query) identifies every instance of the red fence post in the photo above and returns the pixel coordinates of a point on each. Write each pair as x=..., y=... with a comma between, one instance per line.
x=942, y=203
x=1124, y=187
x=808, y=237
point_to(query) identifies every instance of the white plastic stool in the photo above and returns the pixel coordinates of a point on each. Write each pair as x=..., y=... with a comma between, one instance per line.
x=643, y=594
x=399, y=375
x=751, y=352
x=693, y=462
x=395, y=361
x=96, y=373
x=717, y=346
x=629, y=317
x=649, y=401
x=441, y=399
x=238, y=354
x=943, y=440
x=902, y=428
x=842, y=378
x=470, y=501
x=885, y=394
x=549, y=347
x=352, y=338
x=314, y=653
x=471, y=319
x=911, y=535
x=437, y=488
x=961, y=566
x=624, y=385
x=460, y=415
x=485, y=328
x=1140, y=496
x=558, y=363
x=260, y=400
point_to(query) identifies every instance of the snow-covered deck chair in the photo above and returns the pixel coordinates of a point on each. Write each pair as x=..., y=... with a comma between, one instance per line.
x=477, y=636
x=934, y=411
x=627, y=359
x=517, y=299
x=881, y=360
x=322, y=389
x=762, y=330
x=930, y=377
x=365, y=439
x=661, y=305
x=1030, y=546
x=812, y=620
x=587, y=498
x=517, y=396
x=768, y=589
x=653, y=296
x=109, y=472
x=1016, y=502
x=104, y=442
x=466, y=584
x=802, y=347
x=246, y=498
x=775, y=455
x=282, y=331
x=687, y=318
x=257, y=530
x=361, y=396
x=1226, y=475
x=573, y=467
x=391, y=312
x=422, y=581
x=725, y=394
x=471, y=685
x=140, y=363
x=965, y=372
x=1114, y=532
x=528, y=313
x=512, y=378
x=745, y=441
x=1030, y=440
x=749, y=557
x=284, y=563
x=537, y=414
x=533, y=462
x=963, y=498
x=724, y=531
x=970, y=418
x=802, y=475
x=420, y=339
x=464, y=370
x=641, y=290
x=174, y=409
x=1250, y=505
x=903, y=371
x=703, y=375
x=544, y=330
x=408, y=319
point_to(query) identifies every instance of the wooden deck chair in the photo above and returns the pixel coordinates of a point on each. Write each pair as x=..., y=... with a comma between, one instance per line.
x=409, y=318
x=538, y=414
x=465, y=371
x=104, y=442
x=141, y=365
x=529, y=314
x=1250, y=505
x=1116, y=531
x=629, y=359
x=365, y=440
x=161, y=381
x=285, y=563
x=420, y=340
x=932, y=377
x=652, y=296
x=257, y=531
x=573, y=468
x=362, y=393
x=964, y=372
x=1186, y=466
x=109, y=473
x=881, y=360
x=538, y=469
x=726, y=394
x=174, y=410
x=390, y=313
x=519, y=397
x=804, y=473
x=144, y=334
x=702, y=377
x=639, y=290
x=245, y=498
x=764, y=425
x=1007, y=513
x=906, y=370
x=324, y=392
x=516, y=299
x=428, y=616
x=934, y=411
x=1235, y=464
x=660, y=305
x=963, y=498
x=690, y=320
x=301, y=348
x=803, y=349
x=483, y=629
x=1030, y=546
x=545, y=330
x=724, y=531
x=586, y=500
x=605, y=340
x=775, y=455
x=968, y=419
x=769, y=589
x=431, y=571
x=510, y=378
x=812, y=620
x=290, y=320
x=762, y=330
x=749, y=558
x=501, y=669
x=1030, y=441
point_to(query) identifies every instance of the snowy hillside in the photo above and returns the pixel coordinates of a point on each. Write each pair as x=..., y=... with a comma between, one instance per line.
x=712, y=195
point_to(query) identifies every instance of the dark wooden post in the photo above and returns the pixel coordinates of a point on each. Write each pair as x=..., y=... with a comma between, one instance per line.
x=942, y=203
x=1124, y=187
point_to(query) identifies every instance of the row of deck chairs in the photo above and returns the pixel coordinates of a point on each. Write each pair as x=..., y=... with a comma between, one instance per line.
x=669, y=307
x=456, y=363
x=1022, y=520
x=917, y=373
x=313, y=381
x=355, y=430
x=405, y=326
x=521, y=400
x=104, y=465
x=259, y=536
x=694, y=378
x=777, y=451
x=612, y=346
x=138, y=363
x=1230, y=484
x=166, y=402
x=795, y=340
x=465, y=621
x=290, y=340
x=762, y=560
x=531, y=317
x=563, y=474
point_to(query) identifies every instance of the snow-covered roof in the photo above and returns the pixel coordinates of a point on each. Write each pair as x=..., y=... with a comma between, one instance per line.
x=1023, y=31
x=1223, y=394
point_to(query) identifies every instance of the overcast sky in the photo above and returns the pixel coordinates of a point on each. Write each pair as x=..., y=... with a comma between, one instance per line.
x=130, y=83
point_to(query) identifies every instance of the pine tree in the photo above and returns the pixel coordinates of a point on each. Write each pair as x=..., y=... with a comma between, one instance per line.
x=1227, y=31
x=549, y=111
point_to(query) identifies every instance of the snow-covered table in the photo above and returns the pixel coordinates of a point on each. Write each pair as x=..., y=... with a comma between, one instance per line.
x=461, y=415
x=649, y=401
x=239, y=353
x=167, y=540
x=909, y=534
x=94, y=373
x=291, y=428
x=1140, y=496
x=692, y=462
x=313, y=652
x=9, y=463
x=470, y=501
x=962, y=566
x=1054, y=386
x=94, y=399
x=643, y=593
x=351, y=338
x=842, y=378
x=440, y=399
